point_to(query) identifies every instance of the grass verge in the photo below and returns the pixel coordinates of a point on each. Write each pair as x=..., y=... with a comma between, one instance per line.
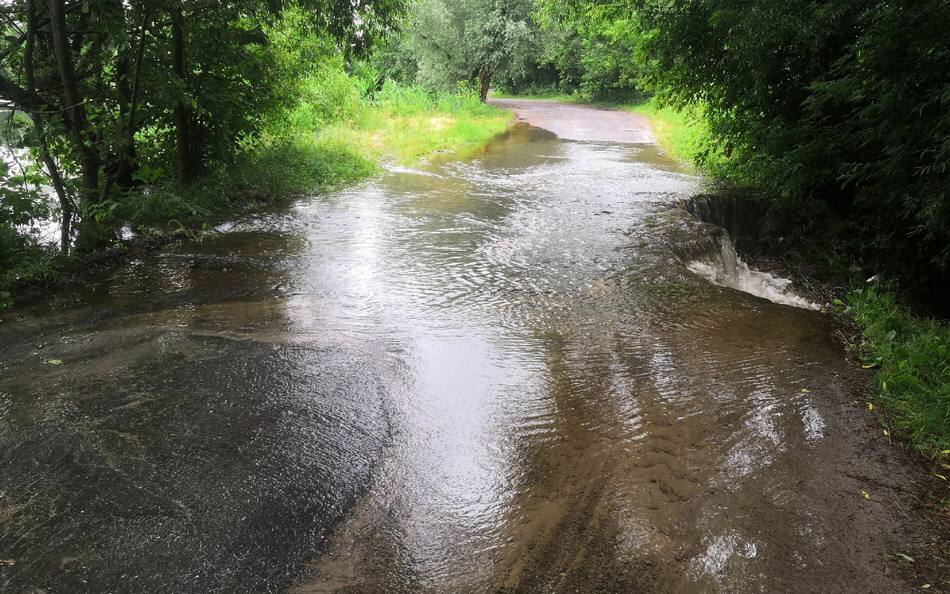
x=407, y=124
x=682, y=134
x=912, y=355
x=315, y=147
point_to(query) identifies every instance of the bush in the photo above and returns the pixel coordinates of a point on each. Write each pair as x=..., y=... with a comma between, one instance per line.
x=24, y=262
x=303, y=162
x=402, y=99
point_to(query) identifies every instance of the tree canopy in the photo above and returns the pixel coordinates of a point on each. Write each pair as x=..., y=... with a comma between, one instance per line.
x=457, y=40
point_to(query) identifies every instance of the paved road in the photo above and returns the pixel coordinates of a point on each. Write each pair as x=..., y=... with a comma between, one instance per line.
x=492, y=375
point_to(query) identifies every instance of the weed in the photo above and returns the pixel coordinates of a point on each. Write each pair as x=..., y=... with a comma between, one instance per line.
x=912, y=356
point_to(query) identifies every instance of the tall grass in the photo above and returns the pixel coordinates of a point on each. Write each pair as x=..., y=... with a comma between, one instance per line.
x=342, y=127
x=406, y=123
x=681, y=133
x=912, y=384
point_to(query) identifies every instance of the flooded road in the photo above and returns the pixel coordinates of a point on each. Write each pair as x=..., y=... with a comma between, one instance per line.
x=490, y=375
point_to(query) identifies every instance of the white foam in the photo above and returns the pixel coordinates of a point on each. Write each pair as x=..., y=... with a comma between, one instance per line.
x=726, y=269
x=761, y=284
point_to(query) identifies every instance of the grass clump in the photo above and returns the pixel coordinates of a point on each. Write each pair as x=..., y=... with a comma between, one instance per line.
x=294, y=164
x=912, y=355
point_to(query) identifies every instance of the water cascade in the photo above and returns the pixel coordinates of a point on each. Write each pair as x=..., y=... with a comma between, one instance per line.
x=721, y=265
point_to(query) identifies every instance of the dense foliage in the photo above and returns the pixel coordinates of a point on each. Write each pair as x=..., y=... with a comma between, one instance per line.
x=518, y=46
x=595, y=49
x=460, y=40
x=844, y=104
x=120, y=95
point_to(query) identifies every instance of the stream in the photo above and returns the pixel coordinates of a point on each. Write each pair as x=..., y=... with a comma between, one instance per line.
x=526, y=371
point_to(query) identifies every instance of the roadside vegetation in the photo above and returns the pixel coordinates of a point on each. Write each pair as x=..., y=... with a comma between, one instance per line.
x=680, y=132
x=912, y=356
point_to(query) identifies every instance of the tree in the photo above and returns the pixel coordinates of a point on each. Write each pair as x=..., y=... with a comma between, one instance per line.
x=597, y=49
x=472, y=40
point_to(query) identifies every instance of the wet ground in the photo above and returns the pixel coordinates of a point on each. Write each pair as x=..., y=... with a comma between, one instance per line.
x=493, y=375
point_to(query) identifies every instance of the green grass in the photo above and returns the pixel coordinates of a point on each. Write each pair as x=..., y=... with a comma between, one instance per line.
x=912, y=385
x=682, y=134
x=407, y=124
x=294, y=164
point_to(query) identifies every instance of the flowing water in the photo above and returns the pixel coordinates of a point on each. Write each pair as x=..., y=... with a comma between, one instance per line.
x=720, y=264
x=493, y=374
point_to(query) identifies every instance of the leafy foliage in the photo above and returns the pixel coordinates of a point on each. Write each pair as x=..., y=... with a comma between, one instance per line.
x=844, y=103
x=471, y=40
x=596, y=51
x=126, y=93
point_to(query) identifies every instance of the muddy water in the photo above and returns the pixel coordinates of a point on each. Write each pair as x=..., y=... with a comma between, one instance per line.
x=496, y=374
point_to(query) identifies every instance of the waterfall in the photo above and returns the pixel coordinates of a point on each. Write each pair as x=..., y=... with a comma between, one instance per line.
x=728, y=259
x=722, y=266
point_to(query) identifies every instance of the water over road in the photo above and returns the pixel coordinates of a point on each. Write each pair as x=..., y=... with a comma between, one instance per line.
x=495, y=374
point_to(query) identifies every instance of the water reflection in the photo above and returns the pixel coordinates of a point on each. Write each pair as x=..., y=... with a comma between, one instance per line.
x=487, y=375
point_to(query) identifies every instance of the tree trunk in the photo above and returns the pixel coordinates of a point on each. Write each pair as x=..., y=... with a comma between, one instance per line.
x=184, y=142
x=65, y=203
x=125, y=157
x=74, y=110
x=75, y=118
x=484, y=82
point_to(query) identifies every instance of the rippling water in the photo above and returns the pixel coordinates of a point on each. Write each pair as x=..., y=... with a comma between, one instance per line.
x=487, y=375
